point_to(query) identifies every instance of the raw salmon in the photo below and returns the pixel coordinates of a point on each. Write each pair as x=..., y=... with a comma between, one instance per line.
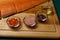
x=9, y=7
x=26, y=4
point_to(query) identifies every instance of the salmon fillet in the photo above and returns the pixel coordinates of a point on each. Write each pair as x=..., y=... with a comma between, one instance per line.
x=9, y=7
x=22, y=5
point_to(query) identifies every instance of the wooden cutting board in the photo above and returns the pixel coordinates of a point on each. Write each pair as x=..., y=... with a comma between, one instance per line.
x=50, y=29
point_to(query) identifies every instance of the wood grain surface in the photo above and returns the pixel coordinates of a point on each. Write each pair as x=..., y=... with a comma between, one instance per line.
x=50, y=29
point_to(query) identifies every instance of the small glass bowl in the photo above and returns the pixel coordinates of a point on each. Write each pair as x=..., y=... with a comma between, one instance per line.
x=41, y=16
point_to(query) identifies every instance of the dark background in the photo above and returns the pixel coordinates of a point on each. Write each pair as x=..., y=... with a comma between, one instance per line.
x=57, y=6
